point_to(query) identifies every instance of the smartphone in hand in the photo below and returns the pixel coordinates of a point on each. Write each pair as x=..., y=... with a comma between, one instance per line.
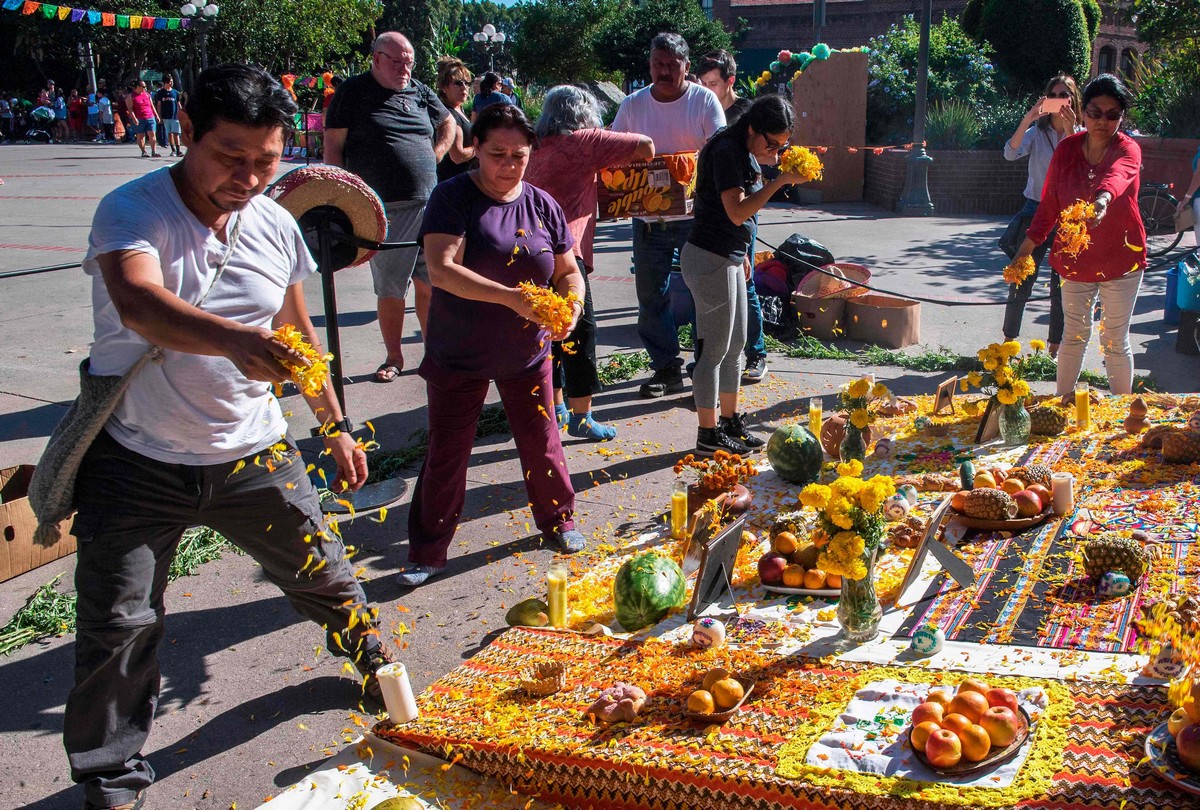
x=1053, y=105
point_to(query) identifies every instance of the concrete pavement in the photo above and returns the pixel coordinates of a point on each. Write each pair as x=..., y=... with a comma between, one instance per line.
x=247, y=704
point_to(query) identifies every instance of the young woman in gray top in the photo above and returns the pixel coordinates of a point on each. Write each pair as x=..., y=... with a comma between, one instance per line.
x=1037, y=136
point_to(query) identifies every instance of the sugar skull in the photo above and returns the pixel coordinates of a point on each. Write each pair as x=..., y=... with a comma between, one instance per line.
x=885, y=447
x=909, y=492
x=708, y=632
x=896, y=507
x=928, y=640
x=922, y=423
x=1114, y=584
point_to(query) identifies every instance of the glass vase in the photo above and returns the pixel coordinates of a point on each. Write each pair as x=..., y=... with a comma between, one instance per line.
x=1014, y=423
x=858, y=610
x=853, y=444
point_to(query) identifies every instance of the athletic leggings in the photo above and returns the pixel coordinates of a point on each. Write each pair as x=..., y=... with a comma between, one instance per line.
x=718, y=286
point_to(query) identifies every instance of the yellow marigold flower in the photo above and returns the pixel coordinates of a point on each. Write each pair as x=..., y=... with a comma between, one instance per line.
x=801, y=161
x=1037, y=345
x=1020, y=388
x=880, y=391
x=859, y=388
x=870, y=500
x=309, y=379
x=815, y=496
x=975, y=378
x=1006, y=396
x=1019, y=270
x=552, y=310
x=963, y=386
x=860, y=418
x=1073, y=237
x=852, y=468
x=1002, y=374
x=990, y=365
x=1012, y=348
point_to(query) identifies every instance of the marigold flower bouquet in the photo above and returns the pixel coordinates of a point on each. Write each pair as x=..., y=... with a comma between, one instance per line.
x=855, y=400
x=1004, y=370
x=714, y=477
x=801, y=161
x=851, y=530
x=552, y=310
x=309, y=379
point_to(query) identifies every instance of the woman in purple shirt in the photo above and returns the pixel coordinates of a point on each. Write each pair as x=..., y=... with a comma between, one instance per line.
x=485, y=232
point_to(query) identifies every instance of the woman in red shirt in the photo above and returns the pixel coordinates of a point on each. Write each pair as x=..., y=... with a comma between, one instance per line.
x=1102, y=166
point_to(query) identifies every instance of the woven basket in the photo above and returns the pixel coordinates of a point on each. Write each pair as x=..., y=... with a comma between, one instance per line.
x=544, y=679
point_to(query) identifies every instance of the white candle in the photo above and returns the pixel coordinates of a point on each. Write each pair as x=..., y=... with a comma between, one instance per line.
x=397, y=693
x=1062, y=490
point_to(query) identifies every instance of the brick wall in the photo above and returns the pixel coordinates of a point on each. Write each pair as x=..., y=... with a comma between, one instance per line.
x=966, y=182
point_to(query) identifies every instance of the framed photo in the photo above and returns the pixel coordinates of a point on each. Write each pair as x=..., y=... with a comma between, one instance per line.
x=718, y=555
x=989, y=423
x=945, y=396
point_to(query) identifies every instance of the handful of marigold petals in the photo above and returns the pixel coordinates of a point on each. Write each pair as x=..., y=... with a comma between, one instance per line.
x=1073, y=233
x=309, y=379
x=1019, y=270
x=552, y=310
x=801, y=161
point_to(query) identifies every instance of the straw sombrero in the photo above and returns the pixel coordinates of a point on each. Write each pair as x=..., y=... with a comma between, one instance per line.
x=837, y=285
x=326, y=195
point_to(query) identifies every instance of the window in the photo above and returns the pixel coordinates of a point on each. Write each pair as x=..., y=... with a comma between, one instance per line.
x=1129, y=60
x=1108, y=59
x=707, y=7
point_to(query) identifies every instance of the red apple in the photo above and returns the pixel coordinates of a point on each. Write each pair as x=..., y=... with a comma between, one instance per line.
x=1003, y=697
x=927, y=711
x=1043, y=494
x=1187, y=741
x=1001, y=724
x=943, y=749
x=770, y=568
x=1028, y=504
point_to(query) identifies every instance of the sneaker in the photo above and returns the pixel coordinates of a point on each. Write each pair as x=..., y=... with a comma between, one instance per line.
x=415, y=574
x=710, y=440
x=136, y=804
x=735, y=427
x=665, y=381
x=368, y=665
x=570, y=541
x=755, y=369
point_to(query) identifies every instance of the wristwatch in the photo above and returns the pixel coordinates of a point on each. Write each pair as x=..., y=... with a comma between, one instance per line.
x=343, y=426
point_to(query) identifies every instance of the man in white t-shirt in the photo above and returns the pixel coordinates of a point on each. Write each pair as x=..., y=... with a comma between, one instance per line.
x=193, y=259
x=679, y=116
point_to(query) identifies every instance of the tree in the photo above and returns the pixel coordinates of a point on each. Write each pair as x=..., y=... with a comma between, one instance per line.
x=1035, y=39
x=290, y=35
x=1167, y=22
x=623, y=41
x=555, y=45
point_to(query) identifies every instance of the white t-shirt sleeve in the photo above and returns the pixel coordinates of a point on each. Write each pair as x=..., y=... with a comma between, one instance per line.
x=712, y=115
x=122, y=223
x=621, y=121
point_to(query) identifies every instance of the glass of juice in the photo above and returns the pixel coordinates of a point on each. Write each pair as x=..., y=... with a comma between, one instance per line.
x=556, y=581
x=815, y=415
x=679, y=510
x=1083, y=406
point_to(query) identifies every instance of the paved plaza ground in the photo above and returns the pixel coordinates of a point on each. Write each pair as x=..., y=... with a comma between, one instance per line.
x=247, y=705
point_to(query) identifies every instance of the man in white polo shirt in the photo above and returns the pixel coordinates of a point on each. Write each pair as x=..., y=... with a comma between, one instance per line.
x=679, y=116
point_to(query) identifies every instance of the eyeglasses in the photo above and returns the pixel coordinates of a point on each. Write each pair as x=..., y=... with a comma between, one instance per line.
x=1096, y=114
x=463, y=83
x=775, y=147
x=404, y=62
x=1058, y=95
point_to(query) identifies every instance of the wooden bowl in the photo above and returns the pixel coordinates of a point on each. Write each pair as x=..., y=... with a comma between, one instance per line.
x=995, y=757
x=544, y=679
x=722, y=716
x=1014, y=525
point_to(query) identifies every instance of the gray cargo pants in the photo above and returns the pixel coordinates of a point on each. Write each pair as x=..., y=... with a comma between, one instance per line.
x=132, y=512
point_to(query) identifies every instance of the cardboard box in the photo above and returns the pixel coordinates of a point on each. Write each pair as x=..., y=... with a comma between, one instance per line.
x=883, y=321
x=823, y=318
x=18, y=554
x=645, y=188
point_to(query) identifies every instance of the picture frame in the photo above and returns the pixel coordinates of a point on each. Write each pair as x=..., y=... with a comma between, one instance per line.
x=989, y=423
x=945, y=396
x=718, y=556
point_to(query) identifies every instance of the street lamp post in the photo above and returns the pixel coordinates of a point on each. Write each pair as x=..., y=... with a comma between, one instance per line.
x=202, y=19
x=915, y=201
x=489, y=40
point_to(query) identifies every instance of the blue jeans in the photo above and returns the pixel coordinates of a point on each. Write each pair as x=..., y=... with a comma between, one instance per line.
x=1019, y=294
x=755, y=346
x=654, y=246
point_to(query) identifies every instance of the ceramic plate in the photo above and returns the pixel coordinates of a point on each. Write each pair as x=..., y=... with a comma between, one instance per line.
x=995, y=757
x=1164, y=759
x=804, y=591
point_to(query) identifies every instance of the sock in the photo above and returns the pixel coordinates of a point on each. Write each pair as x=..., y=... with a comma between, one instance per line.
x=584, y=426
x=561, y=414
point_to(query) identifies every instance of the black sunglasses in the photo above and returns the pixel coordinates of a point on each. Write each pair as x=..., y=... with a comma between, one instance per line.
x=463, y=83
x=1096, y=115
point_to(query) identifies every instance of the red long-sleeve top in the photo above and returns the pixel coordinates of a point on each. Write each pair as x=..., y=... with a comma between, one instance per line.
x=1118, y=243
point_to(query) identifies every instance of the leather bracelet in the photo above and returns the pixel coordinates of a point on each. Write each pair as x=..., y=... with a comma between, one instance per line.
x=344, y=425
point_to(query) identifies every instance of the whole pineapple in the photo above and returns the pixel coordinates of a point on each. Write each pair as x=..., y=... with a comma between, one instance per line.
x=989, y=504
x=1047, y=420
x=1032, y=474
x=1111, y=552
x=793, y=522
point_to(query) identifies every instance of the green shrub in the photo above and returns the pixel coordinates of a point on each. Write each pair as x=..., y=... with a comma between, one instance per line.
x=1035, y=39
x=531, y=102
x=959, y=68
x=1091, y=15
x=998, y=119
x=952, y=125
x=1168, y=101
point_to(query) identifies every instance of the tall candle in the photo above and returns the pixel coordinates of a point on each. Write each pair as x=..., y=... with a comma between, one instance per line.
x=679, y=510
x=1083, y=406
x=815, y=415
x=1062, y=491
x=556, y=581
x=397, y=693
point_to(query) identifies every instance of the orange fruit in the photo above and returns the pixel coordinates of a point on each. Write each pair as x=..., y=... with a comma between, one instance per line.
x=920, y=733
x=940, y=696
x=973, y=685
x=1012, y=485
x=970, y=705
x=794, y=576
x=786, y=543
x=813, y=578
x=715, y=674
x=727, y=693
x=958, y=500
x=955, y=722
x=975, y=743
x=833, y=580
x=700, y=702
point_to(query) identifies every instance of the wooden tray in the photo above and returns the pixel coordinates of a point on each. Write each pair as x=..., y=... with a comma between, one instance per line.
x=1014, y=525
x=995, y=757
x=721, y=717
x=803, y=591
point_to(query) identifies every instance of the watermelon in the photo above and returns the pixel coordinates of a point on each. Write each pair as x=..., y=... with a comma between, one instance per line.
x=795, y=454
x=645, y=590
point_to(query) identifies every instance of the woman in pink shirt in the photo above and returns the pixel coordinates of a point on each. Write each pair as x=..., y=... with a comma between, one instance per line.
x=570, y=151
x=1101, y=166
x=144, y=118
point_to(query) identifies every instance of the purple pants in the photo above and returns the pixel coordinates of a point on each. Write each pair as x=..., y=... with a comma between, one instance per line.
x=455, y=402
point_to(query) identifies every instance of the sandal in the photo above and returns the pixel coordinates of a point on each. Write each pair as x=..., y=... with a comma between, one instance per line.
x=387, y=372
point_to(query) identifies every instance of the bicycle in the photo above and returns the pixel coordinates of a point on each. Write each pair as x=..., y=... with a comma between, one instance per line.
x=1157, y=206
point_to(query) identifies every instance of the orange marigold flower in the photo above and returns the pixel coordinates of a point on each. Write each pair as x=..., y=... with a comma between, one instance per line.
x=552, y=310
x=1073, y=236
x=1019, y=270
x=309, y=379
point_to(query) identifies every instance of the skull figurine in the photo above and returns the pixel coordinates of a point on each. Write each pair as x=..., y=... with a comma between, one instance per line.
x=896, y=507
x=909, y=492
x=885, y=447
x=928, y=640
x=708, y=632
